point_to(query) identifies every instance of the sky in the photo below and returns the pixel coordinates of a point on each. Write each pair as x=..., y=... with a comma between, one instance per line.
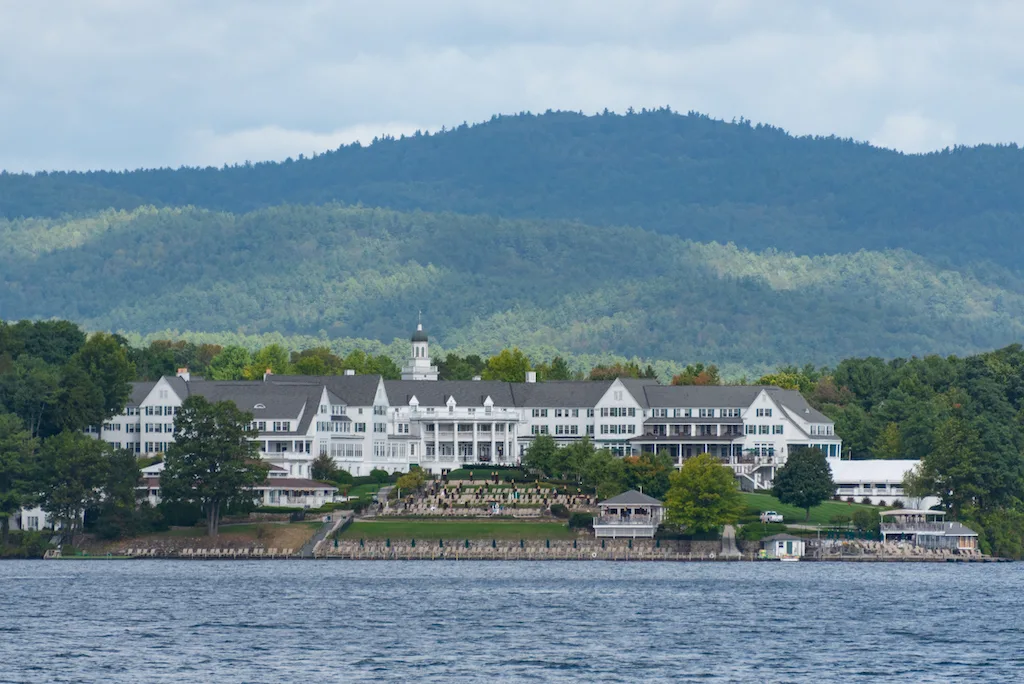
x=115, y=84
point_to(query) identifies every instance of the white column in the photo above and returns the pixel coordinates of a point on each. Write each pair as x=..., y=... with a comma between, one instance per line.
x=476, y=451
x=493, y=456
x=437, y=441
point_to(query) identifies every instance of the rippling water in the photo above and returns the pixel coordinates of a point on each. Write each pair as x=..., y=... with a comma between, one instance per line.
x=131, y=621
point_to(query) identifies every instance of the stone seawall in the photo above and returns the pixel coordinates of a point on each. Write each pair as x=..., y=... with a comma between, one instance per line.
x=486, y=549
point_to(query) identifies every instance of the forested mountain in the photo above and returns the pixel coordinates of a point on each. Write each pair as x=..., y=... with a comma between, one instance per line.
x=485, y=283
x=681, y=175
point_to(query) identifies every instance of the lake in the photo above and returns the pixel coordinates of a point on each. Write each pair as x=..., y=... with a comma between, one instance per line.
x=261, y=621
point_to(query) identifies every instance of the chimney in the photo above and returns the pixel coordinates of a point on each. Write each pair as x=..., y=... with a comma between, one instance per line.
x=350, y=371
x=183, y=374
x=476, y=378
x=531, y=376
x=266, y=374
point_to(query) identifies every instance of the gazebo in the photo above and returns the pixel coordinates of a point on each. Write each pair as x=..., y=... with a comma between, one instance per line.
x=631, y=514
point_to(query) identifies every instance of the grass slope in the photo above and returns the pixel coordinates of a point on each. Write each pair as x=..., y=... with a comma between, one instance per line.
x=820, y=515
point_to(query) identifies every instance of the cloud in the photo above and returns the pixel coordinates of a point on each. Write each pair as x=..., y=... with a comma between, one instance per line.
x=123, y=84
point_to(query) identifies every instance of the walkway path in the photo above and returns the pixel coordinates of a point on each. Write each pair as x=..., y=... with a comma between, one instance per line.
x=309, y=547
x=729, y=549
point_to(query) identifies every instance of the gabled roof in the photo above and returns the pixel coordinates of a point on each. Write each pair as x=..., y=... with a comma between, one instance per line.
x=559, y=394
x=631, y=498
x=354, y=390
x=140, y=390
x=638, y=388
x=795, y=402
x=702, y=396
x=783, y=537
x=437, y=392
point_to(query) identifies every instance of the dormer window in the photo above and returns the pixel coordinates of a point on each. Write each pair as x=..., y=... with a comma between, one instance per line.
x=259, y=406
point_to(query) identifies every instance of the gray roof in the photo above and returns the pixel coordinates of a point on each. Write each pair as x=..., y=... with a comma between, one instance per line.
x=955, y=529
x=795, y=402
x=638, y=388
x=559, y=394
x=702, y=396
x=140, y=390
x=783, y=537
x=631, y=498
x=287, y=402
x=436, y=392
x=352, y=390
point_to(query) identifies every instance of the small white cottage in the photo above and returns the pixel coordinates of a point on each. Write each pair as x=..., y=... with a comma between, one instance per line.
x=784, y=546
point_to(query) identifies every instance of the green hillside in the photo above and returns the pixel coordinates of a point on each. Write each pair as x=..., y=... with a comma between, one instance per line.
x=484, y=283
x=683, y=175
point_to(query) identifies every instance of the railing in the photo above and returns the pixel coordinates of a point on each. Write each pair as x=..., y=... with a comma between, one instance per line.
x=631, y=520
x=913, y=527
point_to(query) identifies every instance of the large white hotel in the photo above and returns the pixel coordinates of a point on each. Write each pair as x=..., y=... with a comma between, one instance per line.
x=366, y=422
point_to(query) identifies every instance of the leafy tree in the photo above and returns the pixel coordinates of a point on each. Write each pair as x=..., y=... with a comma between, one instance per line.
x=80, y=402
x=316, y=361
x=231, y=363
x=118, y=513
x=509, y=365
x=213, y=461
x=703, y=495
x=379, y=476
x=455, y=367
x=805, y=481
x=17, y=453
x=541, y=455
x=697, y=374
x=559, y=369
x=889, y=443
x=30, y=389
x=323, y=469
x=273, y=357
x=411, y=481
x=952, y=471
x=106, y=363
x=649, y=473
x=73, y=470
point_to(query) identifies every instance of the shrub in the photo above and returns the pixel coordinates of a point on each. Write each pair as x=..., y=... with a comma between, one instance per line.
x=581, y=521
x=850, y=499
x=559, y=510
x=757, y=531
x=896, y=504
x=866, y=501
x=840, y=520
x=379, y=476
x=866, y=521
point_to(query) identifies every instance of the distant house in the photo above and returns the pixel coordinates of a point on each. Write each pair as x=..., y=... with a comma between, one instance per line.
x=630, y=514
x=928, y=529
x=784, y=546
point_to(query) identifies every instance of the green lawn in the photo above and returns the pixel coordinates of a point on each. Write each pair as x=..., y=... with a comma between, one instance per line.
x=820, y=515
x=364, y=490
x=455, y=529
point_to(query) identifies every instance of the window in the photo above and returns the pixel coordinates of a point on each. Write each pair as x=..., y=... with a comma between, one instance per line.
x=590, y=429
x=487, y=410
x=163, y=394
x=590, y=413
x=380, y=410
x=282, y=426
x=168, y=427
x=762, y=429
x=618, y=395
x=360, y=427
x=380, y=428
x=575, y=413
x=777, y=429
x=540, y=413
x=730, y=413
x=706, y=413
x=403, y=428
x=763, y=413
x=471, y=411
x=258, y=407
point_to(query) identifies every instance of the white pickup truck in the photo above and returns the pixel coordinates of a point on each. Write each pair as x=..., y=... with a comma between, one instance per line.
x=771, y=517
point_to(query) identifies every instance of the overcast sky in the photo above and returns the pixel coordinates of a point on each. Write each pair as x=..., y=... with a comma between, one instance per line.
x=128, y=83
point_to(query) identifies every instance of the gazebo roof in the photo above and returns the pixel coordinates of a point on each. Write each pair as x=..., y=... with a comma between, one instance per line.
x=631, y=498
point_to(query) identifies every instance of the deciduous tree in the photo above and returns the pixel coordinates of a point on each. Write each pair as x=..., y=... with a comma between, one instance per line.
x=702, y=495
x=805, y=481
x=213, y=461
